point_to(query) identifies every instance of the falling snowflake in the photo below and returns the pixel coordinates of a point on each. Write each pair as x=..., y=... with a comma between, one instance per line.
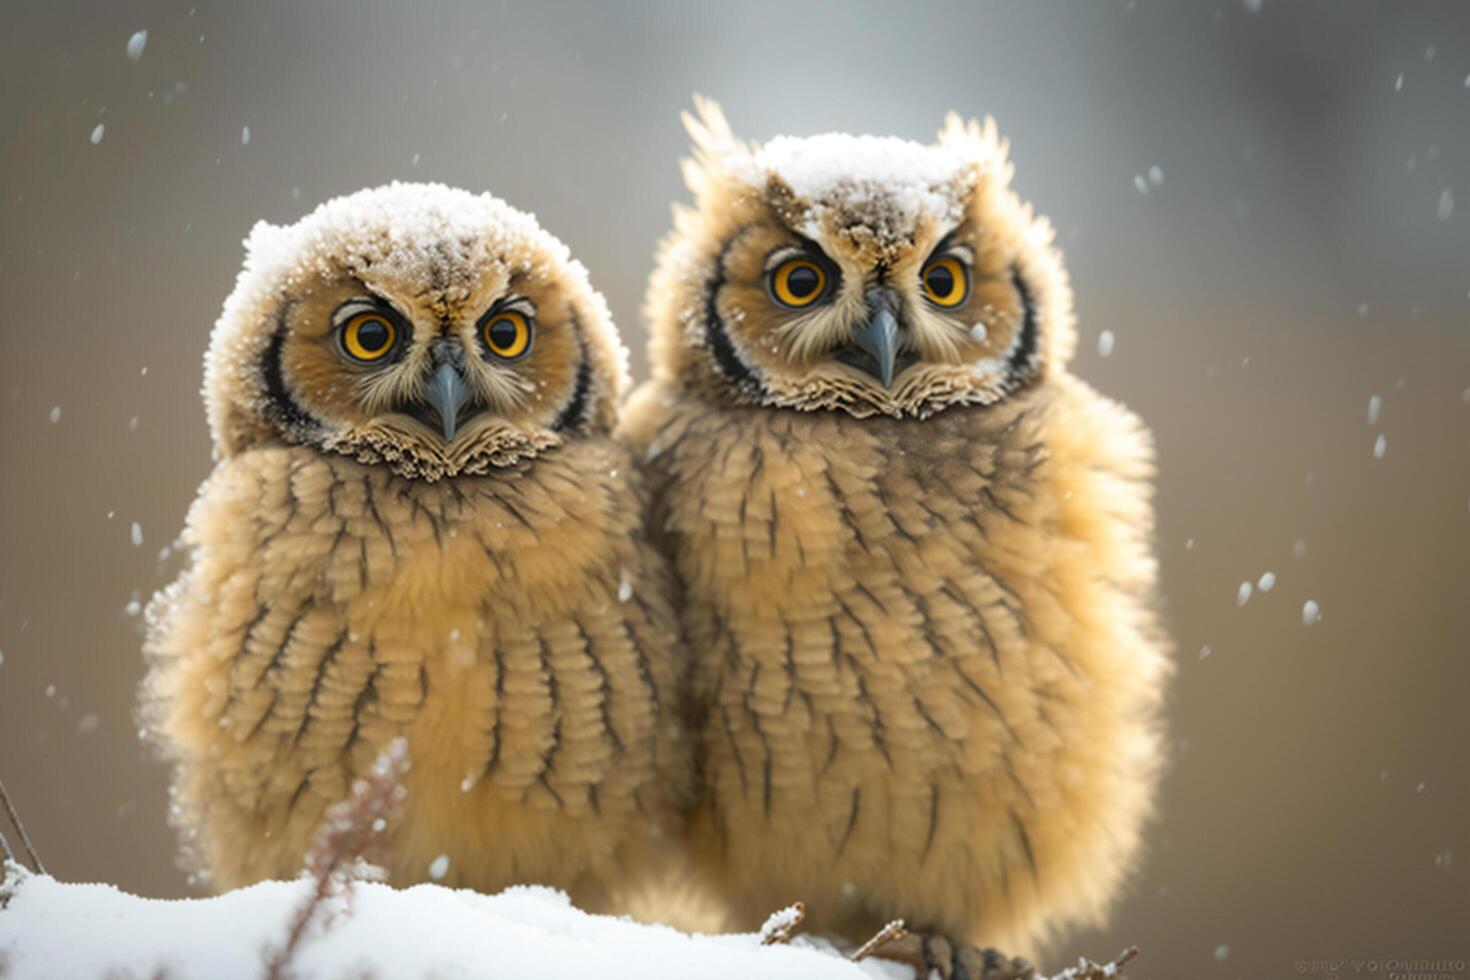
x=136, y=43
x=1311, y=613
x=97, y=132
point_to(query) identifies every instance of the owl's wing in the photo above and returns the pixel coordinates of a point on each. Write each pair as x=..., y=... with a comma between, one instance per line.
x=258, y=691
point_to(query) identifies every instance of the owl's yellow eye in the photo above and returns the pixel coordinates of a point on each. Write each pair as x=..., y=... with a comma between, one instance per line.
x=368, y=337
x=946, y=282
x=507, y=335
x=798, y=282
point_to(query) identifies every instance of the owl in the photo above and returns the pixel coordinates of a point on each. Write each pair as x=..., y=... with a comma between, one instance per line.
x=419, y=525
x=914, y=551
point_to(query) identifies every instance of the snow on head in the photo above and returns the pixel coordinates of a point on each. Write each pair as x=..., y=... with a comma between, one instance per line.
x=868, y=173
x=884, y=185
x=412, y=231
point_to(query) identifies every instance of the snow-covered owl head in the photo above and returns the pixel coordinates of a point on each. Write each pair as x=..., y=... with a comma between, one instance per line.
x=858, y=273
x=415, y=326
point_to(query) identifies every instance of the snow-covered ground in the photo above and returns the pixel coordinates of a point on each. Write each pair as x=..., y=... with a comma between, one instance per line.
x=50, y=929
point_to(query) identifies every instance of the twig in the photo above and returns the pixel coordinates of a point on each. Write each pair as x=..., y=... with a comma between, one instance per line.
x=350, y=832
x=782, y=924
x=20, y=829
x=890, y=933
x=1088, y=970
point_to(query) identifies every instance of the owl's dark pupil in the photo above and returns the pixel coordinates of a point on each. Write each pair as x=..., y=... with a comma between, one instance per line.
x=373, y=335
x=803, y=281
x=502, y=334
x=941, y=281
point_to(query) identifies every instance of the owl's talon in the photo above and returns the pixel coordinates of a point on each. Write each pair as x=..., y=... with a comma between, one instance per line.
x=932, y=954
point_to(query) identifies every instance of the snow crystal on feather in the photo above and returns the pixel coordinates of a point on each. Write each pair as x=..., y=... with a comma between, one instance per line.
x=884, y=174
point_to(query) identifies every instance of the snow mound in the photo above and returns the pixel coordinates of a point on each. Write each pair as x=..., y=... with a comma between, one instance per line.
x=49, y=929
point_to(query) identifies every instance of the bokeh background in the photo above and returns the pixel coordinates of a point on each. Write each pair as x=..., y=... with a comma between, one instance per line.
x=1266, y=211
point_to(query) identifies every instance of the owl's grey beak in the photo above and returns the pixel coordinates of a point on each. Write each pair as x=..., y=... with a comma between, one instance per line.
x=447, y=395
x=879, y=337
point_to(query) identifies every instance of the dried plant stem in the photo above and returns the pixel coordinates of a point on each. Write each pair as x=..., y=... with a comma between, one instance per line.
x=890, y=933
x=20, y=829
x=1088, y=970
x=352, y=830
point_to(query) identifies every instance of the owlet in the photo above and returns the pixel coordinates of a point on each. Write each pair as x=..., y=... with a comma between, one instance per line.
x=914, y=550
x=419, y=525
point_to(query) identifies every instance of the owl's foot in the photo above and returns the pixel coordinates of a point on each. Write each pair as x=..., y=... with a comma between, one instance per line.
x=930, y=954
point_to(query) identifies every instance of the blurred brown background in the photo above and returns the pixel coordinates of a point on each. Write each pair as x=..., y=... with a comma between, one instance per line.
x=1303, y=245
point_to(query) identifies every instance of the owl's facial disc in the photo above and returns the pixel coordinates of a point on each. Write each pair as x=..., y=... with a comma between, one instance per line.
x=417, y=327
x=853, y=316
x=432, y=383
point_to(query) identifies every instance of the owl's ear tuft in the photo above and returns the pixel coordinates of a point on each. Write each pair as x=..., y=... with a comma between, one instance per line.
x=978, y=141
x=718, y=155
x=263, y=235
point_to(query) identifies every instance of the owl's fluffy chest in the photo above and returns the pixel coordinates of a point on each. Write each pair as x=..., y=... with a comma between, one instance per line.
x=494, y=621
x=869, y=581
x=512, y=545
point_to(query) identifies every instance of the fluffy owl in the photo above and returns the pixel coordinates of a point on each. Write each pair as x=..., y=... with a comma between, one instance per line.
x=914, y=550
x=419, y=525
